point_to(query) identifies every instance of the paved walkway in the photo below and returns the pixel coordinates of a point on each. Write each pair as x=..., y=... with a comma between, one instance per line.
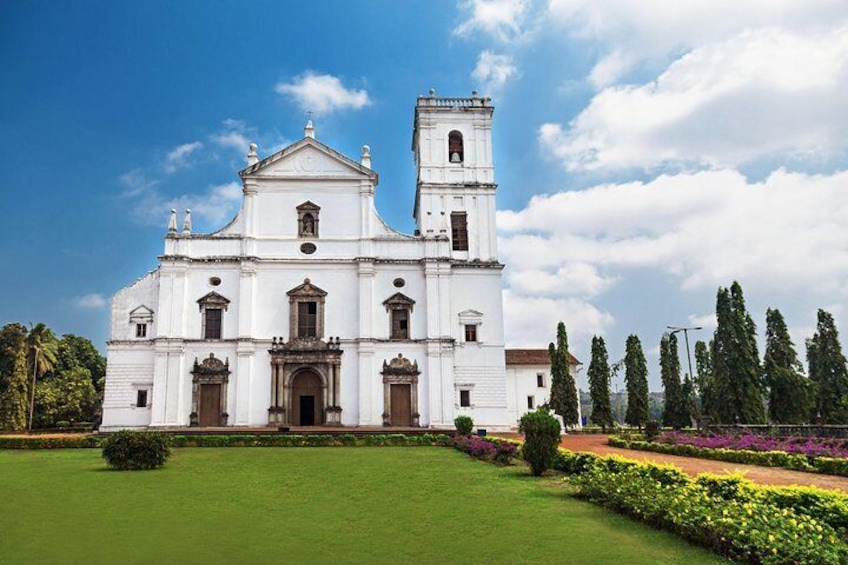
x=693, y=466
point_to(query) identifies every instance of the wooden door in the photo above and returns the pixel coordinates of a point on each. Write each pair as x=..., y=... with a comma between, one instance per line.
x=307, y=400
x=210, y=405
x=401, y=405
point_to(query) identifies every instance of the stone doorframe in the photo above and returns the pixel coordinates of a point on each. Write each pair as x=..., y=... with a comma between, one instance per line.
x=400, y=371
x=288, y=360
x=211, y=371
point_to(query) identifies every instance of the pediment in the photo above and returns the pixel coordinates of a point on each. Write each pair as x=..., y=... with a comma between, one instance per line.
x=400, y=300
x=141, y=314
x=213, y=300
x=306, y=289
x=307, y=158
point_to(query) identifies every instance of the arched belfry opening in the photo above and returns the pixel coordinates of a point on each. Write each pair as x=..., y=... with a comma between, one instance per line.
x=456, y=149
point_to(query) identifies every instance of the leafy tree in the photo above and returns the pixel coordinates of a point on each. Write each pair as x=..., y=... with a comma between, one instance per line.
x=13, y=377
x=636, y=382
x=703, y=379
x=790, y=399
x=599, y=385
x=675, y=413
x=41, y=351
x=737, y=393
x=78, y=352
x=563, y=399
x=65, y=399
x=828, y=370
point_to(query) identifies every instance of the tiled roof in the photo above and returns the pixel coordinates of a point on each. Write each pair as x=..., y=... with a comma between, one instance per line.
x=532, y=357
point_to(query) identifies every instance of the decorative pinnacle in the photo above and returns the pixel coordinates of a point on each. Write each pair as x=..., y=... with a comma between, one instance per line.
x=309, y=130
x=172, y=223
x=252, y=157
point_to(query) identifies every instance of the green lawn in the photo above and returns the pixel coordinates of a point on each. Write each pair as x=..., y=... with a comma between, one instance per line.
x=307, y=505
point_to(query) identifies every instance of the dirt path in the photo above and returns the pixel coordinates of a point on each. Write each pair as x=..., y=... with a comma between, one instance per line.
x=693, y=466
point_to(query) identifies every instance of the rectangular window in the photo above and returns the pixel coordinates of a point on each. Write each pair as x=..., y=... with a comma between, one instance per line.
x=465, y=398
x=141, y=330
x=470, y=332
x=530, y=403
x=141, y=399
x=307, y=319
x=459, y=231
x=540, y=380
x=213, y=323
x=400, y=324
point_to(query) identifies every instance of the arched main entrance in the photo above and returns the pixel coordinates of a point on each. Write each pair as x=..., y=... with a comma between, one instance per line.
x=307, y=400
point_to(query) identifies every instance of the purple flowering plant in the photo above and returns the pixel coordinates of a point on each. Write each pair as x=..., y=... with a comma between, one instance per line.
x=808, y=446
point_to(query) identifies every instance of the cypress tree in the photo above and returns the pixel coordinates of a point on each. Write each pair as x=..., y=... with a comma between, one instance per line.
x=828, y=370
x=738, y=391
x=703, y=377
x=789, y=390
x=599, y=385
x=674, y=411
x=14, y=381
x=563, y=389
x=636, y=382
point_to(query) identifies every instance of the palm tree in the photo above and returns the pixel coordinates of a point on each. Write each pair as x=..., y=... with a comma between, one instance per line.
x=42, y=348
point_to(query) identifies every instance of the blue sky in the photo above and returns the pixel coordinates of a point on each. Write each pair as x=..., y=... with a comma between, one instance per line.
x=646, y=153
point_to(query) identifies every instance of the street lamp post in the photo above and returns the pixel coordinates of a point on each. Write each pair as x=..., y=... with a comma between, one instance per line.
x=685, y=330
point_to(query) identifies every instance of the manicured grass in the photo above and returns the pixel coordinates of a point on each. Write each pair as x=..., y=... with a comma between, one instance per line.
x=308, y=505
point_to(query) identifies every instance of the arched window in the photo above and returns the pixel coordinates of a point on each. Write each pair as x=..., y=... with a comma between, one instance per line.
x=456, y=152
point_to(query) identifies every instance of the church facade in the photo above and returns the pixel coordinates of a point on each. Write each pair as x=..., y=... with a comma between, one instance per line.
x=307, y=309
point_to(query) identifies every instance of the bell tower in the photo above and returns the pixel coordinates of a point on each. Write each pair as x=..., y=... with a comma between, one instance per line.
x=455, y=195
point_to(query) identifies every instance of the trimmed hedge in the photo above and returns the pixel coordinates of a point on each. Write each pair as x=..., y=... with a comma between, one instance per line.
x=237, y=440
x=826, y=465
x=730, y=515
x=129, y=450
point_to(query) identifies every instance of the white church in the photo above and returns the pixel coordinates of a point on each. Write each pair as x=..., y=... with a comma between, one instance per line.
x=308, y=310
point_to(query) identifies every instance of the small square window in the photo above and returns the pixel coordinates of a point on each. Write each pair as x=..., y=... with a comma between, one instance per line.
x=141, y=330
x=470, y=332
x=465, y=398
x=531, y=403
x=141, y=399
x=540, y=380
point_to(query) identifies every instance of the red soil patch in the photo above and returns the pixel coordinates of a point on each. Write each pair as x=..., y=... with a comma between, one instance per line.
x=693, y=466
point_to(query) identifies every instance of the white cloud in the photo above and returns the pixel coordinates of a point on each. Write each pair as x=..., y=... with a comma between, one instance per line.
x=761, y=94
x=177, y=157
x=492, y=71
x=528, y=319
x=217, y=204
x=233, y=135
x=92, y=301
x=501, y=19
x=785, y=234
x=655, y=30
x=322, y=93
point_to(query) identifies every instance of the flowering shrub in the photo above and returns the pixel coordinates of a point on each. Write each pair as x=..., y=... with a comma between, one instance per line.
x=736, y=519
x=500, y=451
x=810, y=447
x=828, y=465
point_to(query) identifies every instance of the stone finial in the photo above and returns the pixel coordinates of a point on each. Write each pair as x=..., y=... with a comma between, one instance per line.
x=172, y=223
x=474, y=94
x=432, y=93
x=252, y=156
x=366, y=156
x=309, y=130
x=187, y=222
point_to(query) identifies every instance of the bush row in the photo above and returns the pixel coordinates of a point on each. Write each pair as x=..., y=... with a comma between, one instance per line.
x=827, y=465
x=497, y=450
x=236, y=440
x=730, y=515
